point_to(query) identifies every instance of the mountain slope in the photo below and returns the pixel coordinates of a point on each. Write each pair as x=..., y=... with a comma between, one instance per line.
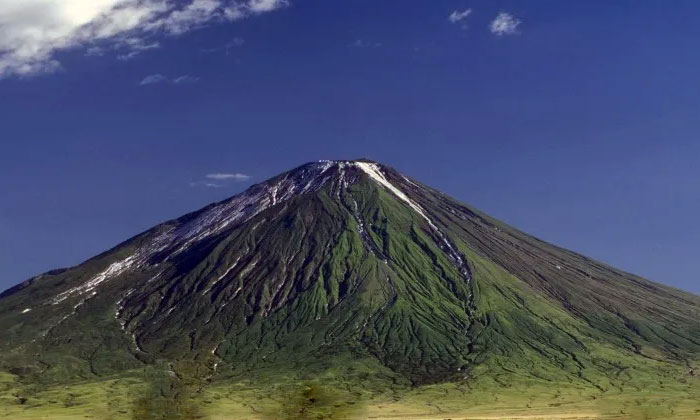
x=342, y=265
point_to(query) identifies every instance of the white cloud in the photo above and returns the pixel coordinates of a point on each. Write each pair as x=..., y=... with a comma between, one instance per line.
x=193, y=14
x=505, y=24
x=219, y=180
x=457, y=16
x=152, y=79
x=159, y=78
x=94, y=52
x=229, y=176
x=33, y=31
x=261, y=6
x=185, y=79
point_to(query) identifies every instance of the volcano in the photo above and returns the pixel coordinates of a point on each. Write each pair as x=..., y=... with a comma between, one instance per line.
x=339, y=277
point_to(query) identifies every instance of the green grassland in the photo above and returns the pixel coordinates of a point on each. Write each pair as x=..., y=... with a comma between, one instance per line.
x=328, y=397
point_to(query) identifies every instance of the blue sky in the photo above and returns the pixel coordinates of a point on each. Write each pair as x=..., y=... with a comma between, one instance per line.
x=574, y=121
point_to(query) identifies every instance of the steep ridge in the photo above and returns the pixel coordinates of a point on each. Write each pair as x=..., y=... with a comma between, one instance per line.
x=347, y=260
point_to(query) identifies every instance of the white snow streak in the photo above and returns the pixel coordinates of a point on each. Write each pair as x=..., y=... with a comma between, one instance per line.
x=113, y=270
x=375, y=173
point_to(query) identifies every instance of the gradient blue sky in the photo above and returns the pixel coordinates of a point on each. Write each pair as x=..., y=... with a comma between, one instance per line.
x=580, y=128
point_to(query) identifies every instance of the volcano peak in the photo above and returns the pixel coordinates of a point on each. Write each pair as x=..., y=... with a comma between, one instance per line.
x=348, y=263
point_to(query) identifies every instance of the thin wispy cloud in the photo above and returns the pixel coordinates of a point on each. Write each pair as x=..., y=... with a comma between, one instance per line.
x=228, y=176
x=236, y=42
x=505, y=24
x=134, y=47
x=152, y=79
x=32, y=32
x=94, y=52
x=185, y=79
x=457, y=16
x=220, y=179
x=127, y=56
x=159, y=78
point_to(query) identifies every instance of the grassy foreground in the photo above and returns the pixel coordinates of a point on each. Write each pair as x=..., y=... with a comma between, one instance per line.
x=141, y=397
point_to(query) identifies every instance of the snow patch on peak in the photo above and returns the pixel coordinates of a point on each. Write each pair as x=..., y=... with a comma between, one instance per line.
x=177, y=238
x=308, y=178
x=375, y=173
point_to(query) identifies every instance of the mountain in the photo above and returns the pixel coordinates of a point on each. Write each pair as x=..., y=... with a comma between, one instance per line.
x=349, y=280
